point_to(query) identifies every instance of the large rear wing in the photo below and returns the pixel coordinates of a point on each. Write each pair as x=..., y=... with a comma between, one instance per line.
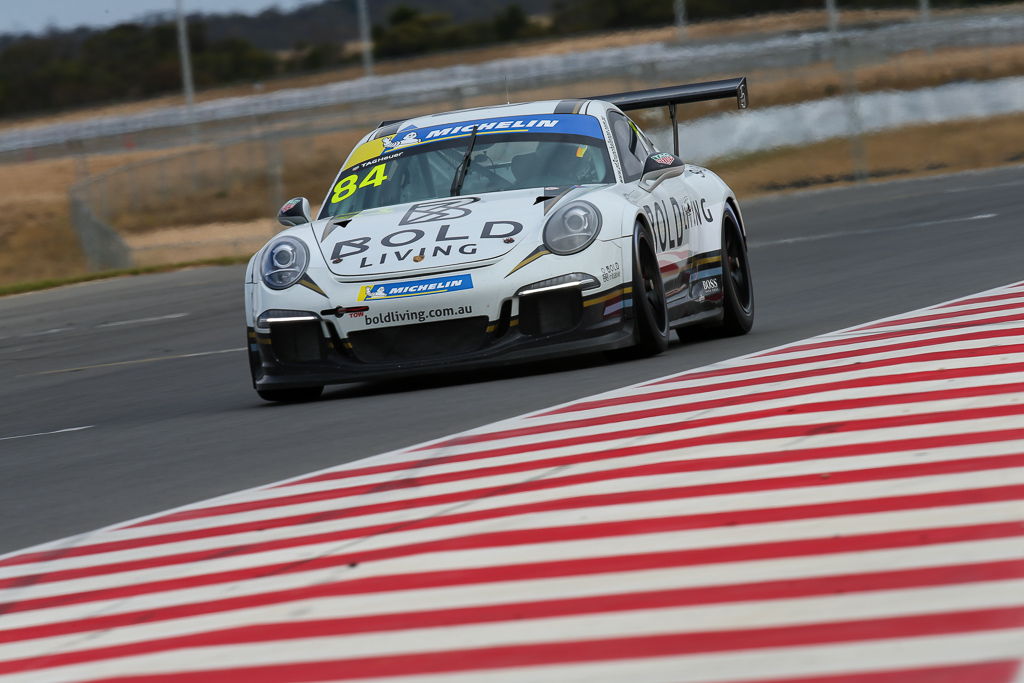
x=672, y=95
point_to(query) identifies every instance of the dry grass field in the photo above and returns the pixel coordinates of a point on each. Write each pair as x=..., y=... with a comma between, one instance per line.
x=36, y=237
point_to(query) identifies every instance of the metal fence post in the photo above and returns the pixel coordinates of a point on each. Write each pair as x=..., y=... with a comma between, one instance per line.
x=846, y=63
x=365, y=38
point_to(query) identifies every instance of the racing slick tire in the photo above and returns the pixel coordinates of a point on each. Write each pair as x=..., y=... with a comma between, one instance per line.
x=296, y=395
x=650, y=310
x=737, y=286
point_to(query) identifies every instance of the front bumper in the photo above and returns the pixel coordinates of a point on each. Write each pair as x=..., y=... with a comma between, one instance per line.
x=544, y=325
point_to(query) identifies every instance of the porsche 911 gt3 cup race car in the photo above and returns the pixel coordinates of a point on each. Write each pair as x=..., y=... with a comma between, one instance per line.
x=495, y=235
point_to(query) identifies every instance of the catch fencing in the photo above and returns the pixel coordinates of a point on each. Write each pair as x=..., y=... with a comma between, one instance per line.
x=221, y=119
x=245, y=149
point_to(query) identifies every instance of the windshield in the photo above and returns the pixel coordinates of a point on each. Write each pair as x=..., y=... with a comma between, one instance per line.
x=412, y=166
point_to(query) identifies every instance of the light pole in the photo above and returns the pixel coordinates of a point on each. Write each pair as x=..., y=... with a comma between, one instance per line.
x=186, y=60
x=364, y=37
x=924, y=9
x=680, y=11
x=833, y=15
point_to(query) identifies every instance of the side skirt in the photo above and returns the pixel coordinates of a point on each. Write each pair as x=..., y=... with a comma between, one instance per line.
x=695, y=318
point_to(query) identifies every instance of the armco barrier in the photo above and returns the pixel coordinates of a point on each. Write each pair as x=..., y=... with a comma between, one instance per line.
x=846, y=508
x=764, y=128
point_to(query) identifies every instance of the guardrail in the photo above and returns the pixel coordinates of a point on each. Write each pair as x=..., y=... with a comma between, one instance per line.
x=732, y=134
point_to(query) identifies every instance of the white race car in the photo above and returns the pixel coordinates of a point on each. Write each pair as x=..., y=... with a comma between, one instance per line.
x=495, y=235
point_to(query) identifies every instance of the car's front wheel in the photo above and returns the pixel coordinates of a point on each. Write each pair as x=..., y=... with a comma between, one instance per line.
x=650, y=312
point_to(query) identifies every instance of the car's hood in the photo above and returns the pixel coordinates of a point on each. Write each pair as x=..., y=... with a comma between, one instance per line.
x=433, y=235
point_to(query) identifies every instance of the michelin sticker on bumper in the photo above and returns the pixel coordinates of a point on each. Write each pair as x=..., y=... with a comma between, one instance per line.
x=401, y=290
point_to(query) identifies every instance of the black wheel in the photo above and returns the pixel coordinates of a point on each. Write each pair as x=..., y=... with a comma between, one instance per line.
x=650, y=312
x=737, y=286
x=297, y=395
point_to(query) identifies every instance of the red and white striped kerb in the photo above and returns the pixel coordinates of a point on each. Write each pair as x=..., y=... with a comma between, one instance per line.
x=845, y=508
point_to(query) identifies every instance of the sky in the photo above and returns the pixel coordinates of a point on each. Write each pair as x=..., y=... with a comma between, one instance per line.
x=34, y=16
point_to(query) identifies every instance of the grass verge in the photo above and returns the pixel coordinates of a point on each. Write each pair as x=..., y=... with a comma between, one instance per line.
x=36, y=285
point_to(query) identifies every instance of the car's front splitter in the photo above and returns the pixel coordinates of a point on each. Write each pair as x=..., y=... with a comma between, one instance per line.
x=311, y=353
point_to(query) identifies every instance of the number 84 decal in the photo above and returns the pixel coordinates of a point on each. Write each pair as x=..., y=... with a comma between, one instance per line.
x=347, y=186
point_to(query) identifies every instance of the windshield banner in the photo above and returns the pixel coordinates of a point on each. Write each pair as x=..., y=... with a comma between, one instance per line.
x=562, y=124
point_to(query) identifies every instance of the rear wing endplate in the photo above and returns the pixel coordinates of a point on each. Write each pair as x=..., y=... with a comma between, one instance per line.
x=672, y=95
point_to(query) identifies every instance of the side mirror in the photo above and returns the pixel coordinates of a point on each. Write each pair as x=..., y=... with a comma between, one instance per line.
x=294, y=212
x=658, y=167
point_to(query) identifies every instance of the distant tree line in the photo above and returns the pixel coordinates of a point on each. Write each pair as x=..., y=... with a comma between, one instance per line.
x=409, y=31
x=136, y=60
x=128, y=61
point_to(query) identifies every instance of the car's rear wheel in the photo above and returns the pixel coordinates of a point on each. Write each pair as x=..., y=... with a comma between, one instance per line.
x=738, y=288
x=650, y=312
x=296, y=395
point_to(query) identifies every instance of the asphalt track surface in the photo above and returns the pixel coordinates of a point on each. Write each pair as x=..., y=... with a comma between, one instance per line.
x=125, y=397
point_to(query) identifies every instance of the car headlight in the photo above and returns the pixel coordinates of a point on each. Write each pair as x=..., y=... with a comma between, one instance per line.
x=284, y=262
x=572, y=228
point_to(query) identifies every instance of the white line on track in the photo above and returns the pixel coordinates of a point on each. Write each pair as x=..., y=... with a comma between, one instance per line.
x=850, y=233
x=137, y=361
x=56, y=431
x=116, y=323
x=54, y=330
x=170, y=316
x=973, y=188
